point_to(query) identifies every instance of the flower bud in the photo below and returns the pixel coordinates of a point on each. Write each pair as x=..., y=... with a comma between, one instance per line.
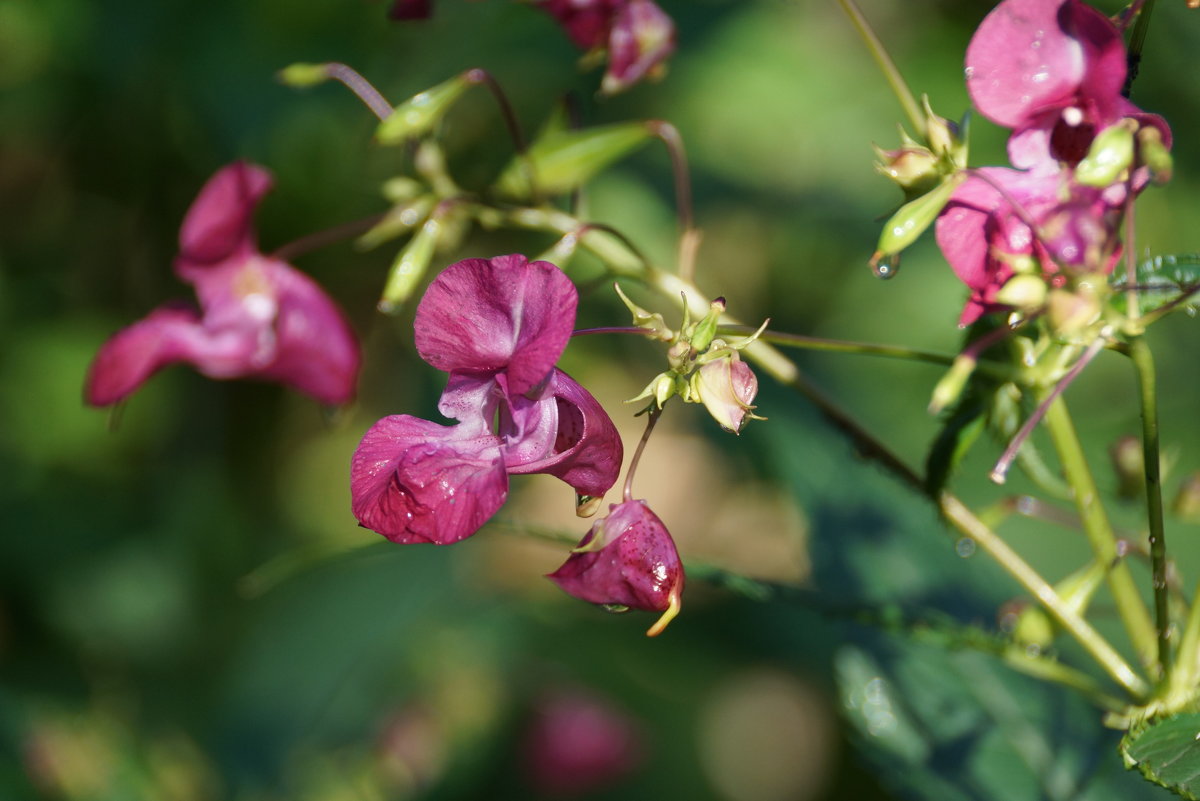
x=1155, y=154
x=399, y=220
x=726, y=386
x=655, y=325
x=946, y=139
x=562, y=160
x=628, y=560
x=409, y=267
x=420, y=113
x=303, y=76
x=706, y=329
x=1024, y=292
x=1110, y=155
x=914, y=169
x=911, y=220
x=1187, y=503
x=1071, y=313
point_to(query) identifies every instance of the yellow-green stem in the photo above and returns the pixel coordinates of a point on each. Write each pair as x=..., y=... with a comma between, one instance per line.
x=895, y=80
x=1130, y=605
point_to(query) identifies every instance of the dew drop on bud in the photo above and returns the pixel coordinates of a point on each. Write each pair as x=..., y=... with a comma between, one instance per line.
x=885, y=267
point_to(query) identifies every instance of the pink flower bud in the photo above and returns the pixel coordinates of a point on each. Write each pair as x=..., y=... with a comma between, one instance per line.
x=628, y=559
x=578, y=743
x=727, y=386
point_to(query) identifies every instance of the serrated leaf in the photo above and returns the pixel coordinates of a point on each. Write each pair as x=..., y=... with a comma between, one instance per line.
x=1168, y=753
x=1161, y=280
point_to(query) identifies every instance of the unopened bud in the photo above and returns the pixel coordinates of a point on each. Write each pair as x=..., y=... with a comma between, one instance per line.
x=409, y=267
x=913, y=169
x=1071, y=313
x=706, y=329
x=654, y=323
x=1024, y=292
x=1155, y=154
x=303, y=76
x=561, y=160
x=946, y=139
x=400, y=219
x=420, y=113
x=726, y=386
x=914, y=217
x=1110, y=155
x=950, y=388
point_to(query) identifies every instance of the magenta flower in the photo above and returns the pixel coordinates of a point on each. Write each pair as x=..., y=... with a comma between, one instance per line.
x=497, y=327
x=1052, y=70
x=627, y=559
x=638, y=35
x=259, y=317
x=578, y=743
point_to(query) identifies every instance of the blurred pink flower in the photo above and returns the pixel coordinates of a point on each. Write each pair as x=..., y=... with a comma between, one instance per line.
x=497, y=327
x=258, y=318
x=578, y=743
x=638, y=35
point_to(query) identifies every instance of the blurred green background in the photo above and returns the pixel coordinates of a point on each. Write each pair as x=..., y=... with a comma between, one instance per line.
x=187, y=608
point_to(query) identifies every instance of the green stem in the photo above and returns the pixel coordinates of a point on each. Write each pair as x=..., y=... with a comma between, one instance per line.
x=1143, y=361
x=1129, y=602
x=1187, y=663
x=895, y=80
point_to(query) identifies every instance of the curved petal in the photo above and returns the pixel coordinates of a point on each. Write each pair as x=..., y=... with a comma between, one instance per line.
x=218, y=225
x=317, y=352
x=166, y=336
x=413, y=480
x=497, y=314
x=1020, y=61
x=628, y=558
x=587, y=448
x=1104, y=55
x=587, y=22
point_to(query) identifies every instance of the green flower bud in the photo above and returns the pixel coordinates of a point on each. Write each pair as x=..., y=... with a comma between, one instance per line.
x=914, y=217
x=401, y=189
x=1110, y=156
x=946, y=139
x=560, y=160
x=706, y=329
x=913, y=169
x=303, y=76
x=409, y=267
x=399, y=220
x=1155, y=154
x=951, y=386
x=1070, y=314
x=1024, y=292
x=420, y=113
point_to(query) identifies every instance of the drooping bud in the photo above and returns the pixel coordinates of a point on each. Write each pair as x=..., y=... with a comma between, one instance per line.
x=1110, y=155
x=421, y=112
x=727, y=386
x=303, y=75
x=641, y=38
x=410, y=266
x=635, y=565
x=561, y=160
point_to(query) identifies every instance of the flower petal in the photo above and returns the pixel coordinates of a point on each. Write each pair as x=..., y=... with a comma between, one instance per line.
x=166, y=336
x=218, y=224
x=635, y=564
x=413, y=480
x=642, y=37
x=587, y=448
x=497, y=314
x=1021, y=62
x=317, y=352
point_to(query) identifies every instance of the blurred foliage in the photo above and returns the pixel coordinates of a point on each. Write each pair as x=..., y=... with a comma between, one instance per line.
x=187, y=610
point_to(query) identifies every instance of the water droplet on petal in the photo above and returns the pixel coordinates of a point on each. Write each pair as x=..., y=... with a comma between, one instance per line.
x=968, y=73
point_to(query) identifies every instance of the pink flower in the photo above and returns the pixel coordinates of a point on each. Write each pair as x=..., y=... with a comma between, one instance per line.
x=259, y=317
x=1052, y=70
x=638, y=35
x=497, y=327
x=628, y=559
x=578, y=743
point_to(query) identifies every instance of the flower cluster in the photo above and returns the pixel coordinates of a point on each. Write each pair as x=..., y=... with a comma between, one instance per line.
x=1052, y=71
x=497, y=327
x=259, y=317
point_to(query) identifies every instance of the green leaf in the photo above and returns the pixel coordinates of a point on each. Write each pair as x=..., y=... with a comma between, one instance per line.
x=957, y=435
x=1161, y=280
x=1168, y=753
